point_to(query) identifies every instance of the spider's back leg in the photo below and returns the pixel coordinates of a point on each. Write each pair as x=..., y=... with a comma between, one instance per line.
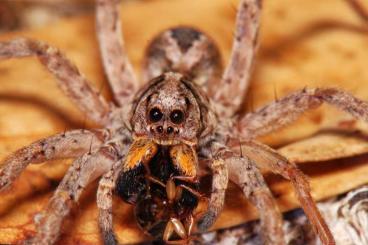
x=184, y=50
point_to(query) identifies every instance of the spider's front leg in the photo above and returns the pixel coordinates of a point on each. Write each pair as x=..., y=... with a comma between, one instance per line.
x=269, y=159
x=244, y=173
x=220, y=180
x=115, y=60
x=72, y=83
x=286, y=110
x=66, y=145
x=83, y=171
x=104, y=203
x=139, y=152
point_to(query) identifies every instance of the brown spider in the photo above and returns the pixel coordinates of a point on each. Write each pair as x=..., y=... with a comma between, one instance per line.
x=189, y=109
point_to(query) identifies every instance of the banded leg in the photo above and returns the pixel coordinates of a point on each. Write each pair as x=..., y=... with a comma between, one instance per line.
x=244, y=173
x=220, y=180
x=268, y=158
x=83, y=171
x=104, y=203
x=140, y=151
x=71, y=82
x=286, y=110
x=115, y=60
x=235, y=81
x=66, y=145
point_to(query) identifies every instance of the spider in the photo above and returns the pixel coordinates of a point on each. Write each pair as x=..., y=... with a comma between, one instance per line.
x=188, y=107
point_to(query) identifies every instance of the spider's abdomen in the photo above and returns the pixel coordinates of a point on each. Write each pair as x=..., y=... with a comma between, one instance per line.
x=184, y=50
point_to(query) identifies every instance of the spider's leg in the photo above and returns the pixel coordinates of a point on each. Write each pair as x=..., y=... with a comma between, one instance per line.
x=245, y=173
x=83, y=171
x=235, y=81
x=74, y=84
x=66, y=145
x=104, y=203
x=115, y=60
x=220, y=180
x=286, y=110
x=139, y=152
x=268, y=158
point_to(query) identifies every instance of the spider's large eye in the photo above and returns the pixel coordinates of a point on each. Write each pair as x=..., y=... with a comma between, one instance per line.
x=177, y=116
x=155, y=115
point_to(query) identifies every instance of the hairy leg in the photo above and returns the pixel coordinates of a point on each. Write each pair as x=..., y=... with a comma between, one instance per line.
x=104, y=203
x=235, y=80
x=220, y=180
x=66, y=145
x=83, y=171
x=244, y=173
x=268, y=158
x=286, y=110
x=115, y=60
x=72, y=83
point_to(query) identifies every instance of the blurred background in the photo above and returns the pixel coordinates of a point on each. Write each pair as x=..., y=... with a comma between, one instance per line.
x=23, y=14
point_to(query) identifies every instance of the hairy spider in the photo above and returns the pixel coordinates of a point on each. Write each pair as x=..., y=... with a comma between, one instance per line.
x=188, y=109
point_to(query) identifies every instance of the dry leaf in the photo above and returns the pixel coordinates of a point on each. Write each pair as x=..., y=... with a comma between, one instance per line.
x=326, y=146
x=294, y=53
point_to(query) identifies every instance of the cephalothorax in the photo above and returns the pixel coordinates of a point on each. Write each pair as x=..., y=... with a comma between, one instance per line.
x=152, y=137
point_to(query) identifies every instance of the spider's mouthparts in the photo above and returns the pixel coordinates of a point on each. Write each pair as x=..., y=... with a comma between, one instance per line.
x=166, y=142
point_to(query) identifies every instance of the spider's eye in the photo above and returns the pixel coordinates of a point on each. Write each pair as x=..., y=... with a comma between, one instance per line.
x=155, y=115
x=177, y=116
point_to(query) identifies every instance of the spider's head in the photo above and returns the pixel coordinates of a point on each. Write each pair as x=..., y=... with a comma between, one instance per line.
x=170, y=110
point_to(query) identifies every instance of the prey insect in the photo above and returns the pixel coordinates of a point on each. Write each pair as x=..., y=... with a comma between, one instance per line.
x=164, y=200
x=151, y=138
